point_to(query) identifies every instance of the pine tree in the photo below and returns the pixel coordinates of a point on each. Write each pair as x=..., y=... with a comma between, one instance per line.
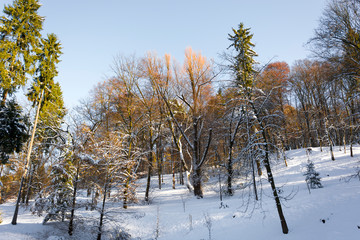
x=41, y=92
x=19, y=43
x=312, y=177
x=13, y=130
x=56, y=199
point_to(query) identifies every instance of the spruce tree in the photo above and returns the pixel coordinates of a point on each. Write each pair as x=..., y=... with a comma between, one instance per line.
x=56, y=199
x=41, y=92
x=19, y=44
x=243, y=68
x=13, y=129
x=312, y=177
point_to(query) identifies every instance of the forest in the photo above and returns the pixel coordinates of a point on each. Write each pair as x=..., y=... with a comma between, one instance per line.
x=155, y=118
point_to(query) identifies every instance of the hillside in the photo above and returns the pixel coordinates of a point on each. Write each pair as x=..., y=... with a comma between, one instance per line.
x=329, y=213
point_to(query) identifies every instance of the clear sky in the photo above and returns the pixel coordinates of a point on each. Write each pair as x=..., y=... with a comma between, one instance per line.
x=92, y=32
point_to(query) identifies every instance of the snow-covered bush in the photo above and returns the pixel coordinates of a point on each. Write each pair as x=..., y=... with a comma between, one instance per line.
x=56, y=199
x=312, y=177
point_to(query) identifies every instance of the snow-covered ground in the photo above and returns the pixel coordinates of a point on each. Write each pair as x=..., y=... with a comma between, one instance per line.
x=328, y=213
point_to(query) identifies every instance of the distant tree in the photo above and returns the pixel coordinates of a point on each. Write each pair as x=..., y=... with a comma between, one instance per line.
x=274, y=82
x=110, y=160
x=128, y=115
x=19, y=44
x=312, y=177
x=151, y=66
x=337, y=40
x=311, y=82
x=195, y=93
x=229, y=116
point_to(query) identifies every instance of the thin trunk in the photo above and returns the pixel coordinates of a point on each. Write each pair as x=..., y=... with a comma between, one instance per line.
x=148, y=180
x=321, y=144
x=271, y=179
x=254, y=179
x=329, y=140
x=159, y=162
x=351, y=139
x=28, y=162
x=129, y=170
x=258, y=166
x=284, y=151
x=338, y=138
x=183, y=165
x=151, y=159
x=1, y=192
x=220, y=189
x=71, y=222
x=28, y=192
x=172, y=165
x=230, y=170
x=102, y=213
x=274, y=189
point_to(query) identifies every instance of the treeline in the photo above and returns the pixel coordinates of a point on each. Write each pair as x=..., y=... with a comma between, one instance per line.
x=154, y=116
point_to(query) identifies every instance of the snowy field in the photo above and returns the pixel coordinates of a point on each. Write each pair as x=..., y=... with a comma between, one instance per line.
x=328, y=213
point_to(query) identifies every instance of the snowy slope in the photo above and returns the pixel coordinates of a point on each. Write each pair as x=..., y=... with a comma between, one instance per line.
x=176, y=214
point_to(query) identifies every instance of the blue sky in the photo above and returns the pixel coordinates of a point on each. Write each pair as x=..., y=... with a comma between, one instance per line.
x=93, y=32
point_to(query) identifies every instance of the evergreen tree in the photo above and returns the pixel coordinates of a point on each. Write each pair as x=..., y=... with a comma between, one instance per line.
x=56, y=199
x=51, y=116
x=41, y=92
x=312, y=177
x=243, y=68
x=13, y=130
x=19, y=43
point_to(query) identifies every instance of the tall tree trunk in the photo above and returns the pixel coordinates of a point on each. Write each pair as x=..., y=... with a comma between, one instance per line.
x=28, y=162
x=273, y=186
x=271, y=180
x=197, y=174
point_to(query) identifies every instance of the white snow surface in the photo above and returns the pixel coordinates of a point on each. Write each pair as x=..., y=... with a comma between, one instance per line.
x=176, y=214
